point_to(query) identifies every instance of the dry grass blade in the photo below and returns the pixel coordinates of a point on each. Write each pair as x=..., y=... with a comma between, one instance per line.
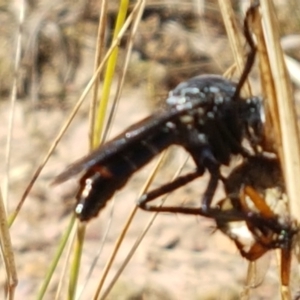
x=108, y=77
x=96, y=137
x=140, y=6
x=36, y=174
x=126, y=227
x=174, y=246
x=98, y=56
x=281, y=127
x=281, y=133
x=42, y=291
x=147, y=227
x=75, y=265
x=97, y=131
x=99, y=121
x=13, y=102
x=290, y=158
x=233, y=33
x=273, y=141
x=69, y=237
x=277, y=89
x=6, y=246
x=96, y=258
x=109, y=72
x=7, y=254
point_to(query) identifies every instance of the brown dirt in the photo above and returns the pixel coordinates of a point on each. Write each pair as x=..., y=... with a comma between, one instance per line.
x=181, y=257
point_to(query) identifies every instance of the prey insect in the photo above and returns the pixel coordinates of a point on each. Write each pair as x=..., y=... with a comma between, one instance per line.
x=256, y=188
x=203, y=115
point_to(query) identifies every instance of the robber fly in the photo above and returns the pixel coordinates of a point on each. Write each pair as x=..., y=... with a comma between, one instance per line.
x=203, y=115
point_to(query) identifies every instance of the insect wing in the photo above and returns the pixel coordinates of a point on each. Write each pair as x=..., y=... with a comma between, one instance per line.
x=257, y=271
x=122, y=141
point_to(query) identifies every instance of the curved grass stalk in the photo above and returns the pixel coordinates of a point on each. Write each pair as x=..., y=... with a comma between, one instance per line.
x=290, y=158
x=142, y=235
x=75, y=265
x=233, y=33
x=116, y=100
x=38, y=171
x=7, y=252
x=95, y=260
x=57, y=256
x=126, y=227
x=108, y=76
x=98, y=55
x=140, y=6
x=63, y=275
x=96, y=139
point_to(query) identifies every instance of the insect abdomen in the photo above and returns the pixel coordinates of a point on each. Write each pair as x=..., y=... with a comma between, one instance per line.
x=100, y=182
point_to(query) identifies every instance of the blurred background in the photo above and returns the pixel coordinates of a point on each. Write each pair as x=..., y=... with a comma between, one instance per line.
x=181, y=257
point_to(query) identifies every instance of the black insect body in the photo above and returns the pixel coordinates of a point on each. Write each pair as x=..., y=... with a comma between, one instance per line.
x=202, y=115
x=256, y=188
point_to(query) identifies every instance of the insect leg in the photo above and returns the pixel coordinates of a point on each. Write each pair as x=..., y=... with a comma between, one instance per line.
x=215, y=213
x=286, y=260
x=210, y=191
x=265, y=220
x=283, y=234
x=251, y=56
x=167, y=188
x=203, y=156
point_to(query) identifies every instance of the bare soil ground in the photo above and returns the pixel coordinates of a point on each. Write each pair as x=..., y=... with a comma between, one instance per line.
x=181, y=257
